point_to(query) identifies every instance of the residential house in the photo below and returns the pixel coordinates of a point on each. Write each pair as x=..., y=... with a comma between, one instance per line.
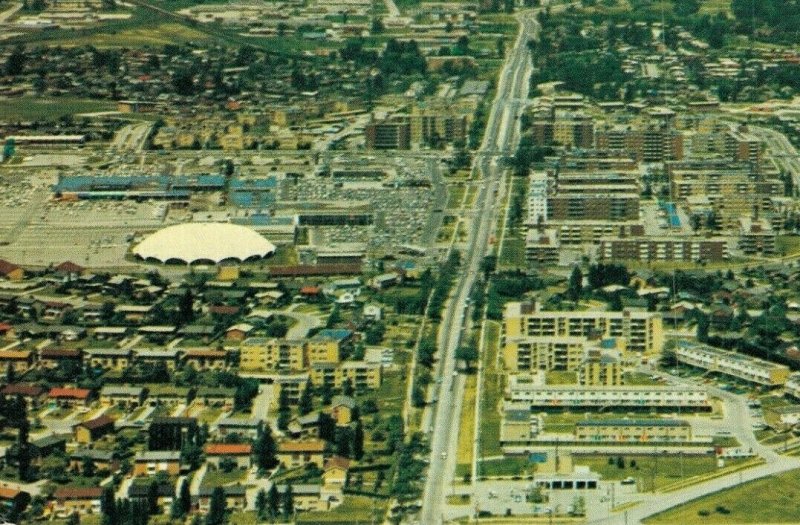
x=116, y=359
x=13, y=501
x=239, y=332
x=128, y=397
x=305, y=426
x=20, y=361
x=167, y=395
x=238, y=453
x=335, y=471
x=81, y=500
x=54, y=357
x=32, y=394
x=45, y=446
x=235, y=497
x=343, y=409
x=94, y=429
x=216, y=396
x=10, y=271
x=169, y=357
x=293, y=454
x=206, y=359
x=246, y=428
x=140, y=493
x=70, y=397
x=306, y=497
x=103, y=460
x=149, y=463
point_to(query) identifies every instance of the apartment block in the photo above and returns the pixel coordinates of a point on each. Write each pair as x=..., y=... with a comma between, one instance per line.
x=362, y=375
x=633, y=430
x=733, y=364
x=523, y=354
x=601, y=371
x=524, y=389
x=261, y=353
x=653, y=144
x=393, y=133
x=756, y=236
x=663, y=249
x=642, y=331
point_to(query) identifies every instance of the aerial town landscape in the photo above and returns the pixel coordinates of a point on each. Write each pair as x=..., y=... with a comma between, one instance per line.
x=399, y=261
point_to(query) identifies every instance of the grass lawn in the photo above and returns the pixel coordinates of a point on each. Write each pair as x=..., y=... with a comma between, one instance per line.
x=466, y=432
x=661, y=470
x=492, y=394
x=354, y=509
x=768, y=500
x=215, y=478
x=511, y=466
x=560, y=377
x=639, y=379
x=455, y=195
x=35, y=108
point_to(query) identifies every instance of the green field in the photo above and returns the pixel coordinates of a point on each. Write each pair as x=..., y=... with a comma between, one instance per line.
x=354, y=509
x=768, y=500
x=31, y=108
x=650, y=471
x=492, y=394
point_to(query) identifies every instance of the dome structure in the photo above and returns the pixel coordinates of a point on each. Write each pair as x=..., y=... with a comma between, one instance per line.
x=204, y=242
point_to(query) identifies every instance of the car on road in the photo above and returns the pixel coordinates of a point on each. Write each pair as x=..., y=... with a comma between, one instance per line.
x=628, y=481
x=444, y=455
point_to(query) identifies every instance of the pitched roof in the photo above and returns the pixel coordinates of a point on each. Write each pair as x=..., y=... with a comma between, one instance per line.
x=337, y=462
x=18, y=389
x=98, y=422
x=74, y=393
x=8, y=493
x=7, y=267
x=228, y=449
x=69, y=267
x=341, y=400
x=312, y=445
x=63, y=493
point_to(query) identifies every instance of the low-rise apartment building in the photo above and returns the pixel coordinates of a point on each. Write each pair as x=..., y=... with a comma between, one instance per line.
x=633, y=430
x=523, y=389
x=733, y=364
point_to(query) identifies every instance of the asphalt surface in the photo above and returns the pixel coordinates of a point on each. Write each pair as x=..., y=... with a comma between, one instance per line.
x=499, y=140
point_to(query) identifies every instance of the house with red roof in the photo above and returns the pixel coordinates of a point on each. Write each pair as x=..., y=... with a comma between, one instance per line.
x=10, y=271
x=83, y=500
x=238, y=453
x=70, y=397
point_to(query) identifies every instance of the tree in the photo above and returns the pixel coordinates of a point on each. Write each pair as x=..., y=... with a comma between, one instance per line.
x=684, y=8
x=184, y=500
x=358, y=441
x=152, y=499
x=10, y=375
x=23, y=447
x=216, y=507
x=15, y=63
x=186, y=307
x=347, y=387
x=265, y=449
x=108, y=507
x=468, y=354
x=87, y=467
x=306, y=402
x=702, y=328
x=261, y=504
x=273, y=501
x=575, y=285
x=284, y=412
x=377, y=26
x=288, y=502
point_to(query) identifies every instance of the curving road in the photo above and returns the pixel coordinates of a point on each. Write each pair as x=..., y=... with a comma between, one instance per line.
x=500, y=139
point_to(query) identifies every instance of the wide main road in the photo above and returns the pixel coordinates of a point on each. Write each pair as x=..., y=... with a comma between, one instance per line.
x=500, y=139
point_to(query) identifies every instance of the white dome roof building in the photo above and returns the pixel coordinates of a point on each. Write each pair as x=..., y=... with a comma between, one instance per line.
x=204, y=242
